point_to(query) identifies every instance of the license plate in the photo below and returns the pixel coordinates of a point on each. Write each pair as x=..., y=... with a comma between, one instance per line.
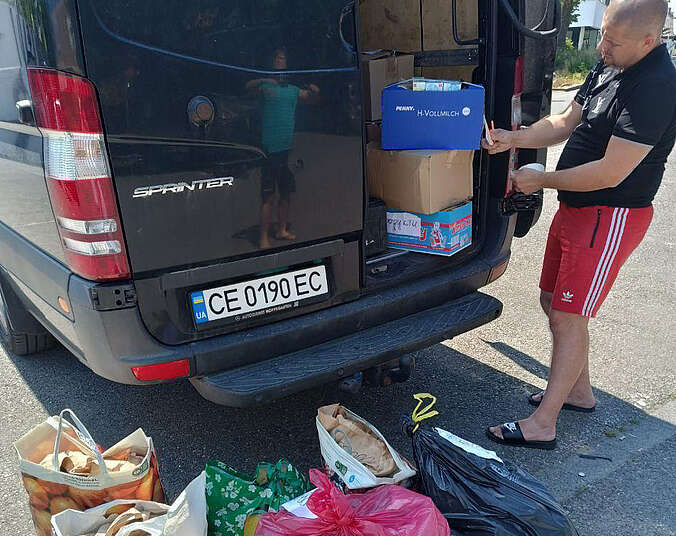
x=258, y=297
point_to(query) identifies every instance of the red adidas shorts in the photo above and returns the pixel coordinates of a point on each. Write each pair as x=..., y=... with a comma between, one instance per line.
x=585, y=250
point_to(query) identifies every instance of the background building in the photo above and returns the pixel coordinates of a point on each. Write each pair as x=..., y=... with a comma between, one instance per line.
x=669, y=35
x=585, y=32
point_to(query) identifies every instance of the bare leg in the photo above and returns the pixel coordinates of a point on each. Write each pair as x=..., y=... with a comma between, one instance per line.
x=546, y=302
x=571, y=347
x=581, y=394
x=266, y=216
x=283, y=231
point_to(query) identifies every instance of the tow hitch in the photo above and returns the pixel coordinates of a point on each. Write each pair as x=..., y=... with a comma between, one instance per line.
x=397, y=371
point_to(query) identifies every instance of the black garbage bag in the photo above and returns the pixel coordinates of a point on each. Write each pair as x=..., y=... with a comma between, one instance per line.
x=480, y=494
x=475, y=525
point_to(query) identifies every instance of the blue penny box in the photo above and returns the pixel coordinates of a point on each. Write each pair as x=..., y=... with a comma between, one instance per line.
x=432, y=119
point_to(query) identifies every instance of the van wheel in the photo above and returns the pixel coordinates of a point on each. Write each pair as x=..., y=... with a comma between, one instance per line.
x=20, y=332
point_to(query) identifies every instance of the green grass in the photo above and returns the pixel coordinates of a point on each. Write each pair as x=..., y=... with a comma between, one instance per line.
x=572, y=66
x=568, y=79
x=576, y=61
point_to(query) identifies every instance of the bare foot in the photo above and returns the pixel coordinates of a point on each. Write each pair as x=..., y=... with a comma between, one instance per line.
x=531, y=430
x=283, y=234
x=265, y=243
x=584, y=401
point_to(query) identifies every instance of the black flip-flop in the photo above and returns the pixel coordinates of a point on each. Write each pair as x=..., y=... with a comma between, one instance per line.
x=569, y=407
x=512, y=436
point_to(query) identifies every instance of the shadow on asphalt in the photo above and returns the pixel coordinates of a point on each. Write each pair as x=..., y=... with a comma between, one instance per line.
x=523, y=360
x=188, y=430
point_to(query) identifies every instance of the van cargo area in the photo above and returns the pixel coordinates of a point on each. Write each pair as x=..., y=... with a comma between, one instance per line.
x=181, y=240
x=228, y=221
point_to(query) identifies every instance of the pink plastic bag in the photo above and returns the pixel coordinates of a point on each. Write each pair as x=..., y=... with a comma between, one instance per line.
x=383, y=511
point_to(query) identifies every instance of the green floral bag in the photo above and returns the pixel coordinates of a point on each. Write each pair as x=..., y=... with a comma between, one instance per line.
x=232, y=496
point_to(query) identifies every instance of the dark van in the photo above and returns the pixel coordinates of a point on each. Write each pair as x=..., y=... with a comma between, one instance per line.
x=134, y=182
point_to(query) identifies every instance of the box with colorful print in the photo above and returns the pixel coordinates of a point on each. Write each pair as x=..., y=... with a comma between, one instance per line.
x=433, y=118
x=444, y=233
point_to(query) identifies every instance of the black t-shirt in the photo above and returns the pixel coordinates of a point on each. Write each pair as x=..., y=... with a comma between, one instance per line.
x=638, y=104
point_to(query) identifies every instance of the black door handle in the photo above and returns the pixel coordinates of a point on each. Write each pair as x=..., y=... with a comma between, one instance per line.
x=347, y=10
x=528, y=32
x=456, y=38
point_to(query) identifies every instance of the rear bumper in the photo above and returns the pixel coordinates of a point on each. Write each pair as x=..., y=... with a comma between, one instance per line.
x=112, y=342
x=340, y=358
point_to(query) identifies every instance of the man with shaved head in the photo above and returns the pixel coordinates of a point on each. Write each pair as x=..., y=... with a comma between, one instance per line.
x=620, y=130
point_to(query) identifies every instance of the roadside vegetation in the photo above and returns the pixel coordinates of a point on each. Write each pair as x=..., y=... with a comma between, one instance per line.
x=572, y=65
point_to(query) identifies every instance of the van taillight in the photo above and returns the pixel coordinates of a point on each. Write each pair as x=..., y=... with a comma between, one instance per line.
x=516, y=95
x=78, y=174
x=515, y=118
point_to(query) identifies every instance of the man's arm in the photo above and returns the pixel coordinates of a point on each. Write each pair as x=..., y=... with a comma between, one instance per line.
x=644, y=118
x=307, y=94
x=254, y=85
x=546, y=132
x=550, y=130
x=621, y=158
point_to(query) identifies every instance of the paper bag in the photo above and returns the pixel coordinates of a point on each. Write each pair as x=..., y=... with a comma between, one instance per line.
x=366, y=459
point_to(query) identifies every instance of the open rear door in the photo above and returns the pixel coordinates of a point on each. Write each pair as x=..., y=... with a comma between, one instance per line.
x=213, y=110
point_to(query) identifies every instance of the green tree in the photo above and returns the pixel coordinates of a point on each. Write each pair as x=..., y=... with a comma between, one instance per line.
x=33, y=14
x=568, y=16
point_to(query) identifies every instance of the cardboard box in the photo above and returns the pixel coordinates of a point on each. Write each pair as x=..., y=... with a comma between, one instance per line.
x=443, y=233
x=419, y=181
x=437, y=22
x=432, y=119
x=379, y=72
x=391, y=25
x=463, y=73
x=401, y=25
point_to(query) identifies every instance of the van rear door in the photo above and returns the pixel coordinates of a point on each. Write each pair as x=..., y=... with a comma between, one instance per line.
x=214, y=111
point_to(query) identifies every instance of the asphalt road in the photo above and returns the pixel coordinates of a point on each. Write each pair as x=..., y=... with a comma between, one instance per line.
x=481, y=378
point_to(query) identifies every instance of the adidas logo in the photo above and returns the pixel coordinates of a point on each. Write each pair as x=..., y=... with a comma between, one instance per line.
x=567, y=297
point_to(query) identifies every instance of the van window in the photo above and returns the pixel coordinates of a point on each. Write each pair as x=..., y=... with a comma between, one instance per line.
x=238, y=33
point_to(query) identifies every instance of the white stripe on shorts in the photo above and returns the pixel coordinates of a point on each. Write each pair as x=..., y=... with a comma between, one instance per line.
x=610, y=249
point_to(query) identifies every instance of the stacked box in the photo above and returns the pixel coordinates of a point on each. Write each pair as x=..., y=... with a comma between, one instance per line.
x=419, y=181
x=434, y=117
x=443, y=233
x=420, y=159
x=378, y=72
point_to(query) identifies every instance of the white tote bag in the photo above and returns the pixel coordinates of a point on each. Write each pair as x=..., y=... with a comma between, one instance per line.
x=51, y=491
x=186, y=517
x=350, y=470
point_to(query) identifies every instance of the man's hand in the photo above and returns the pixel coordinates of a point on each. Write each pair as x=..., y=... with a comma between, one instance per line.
x=503, y=140
x=527, y=180
x=309, y=91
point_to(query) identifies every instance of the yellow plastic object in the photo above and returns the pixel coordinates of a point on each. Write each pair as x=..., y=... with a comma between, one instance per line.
x=250, y=524
x=420, y=414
